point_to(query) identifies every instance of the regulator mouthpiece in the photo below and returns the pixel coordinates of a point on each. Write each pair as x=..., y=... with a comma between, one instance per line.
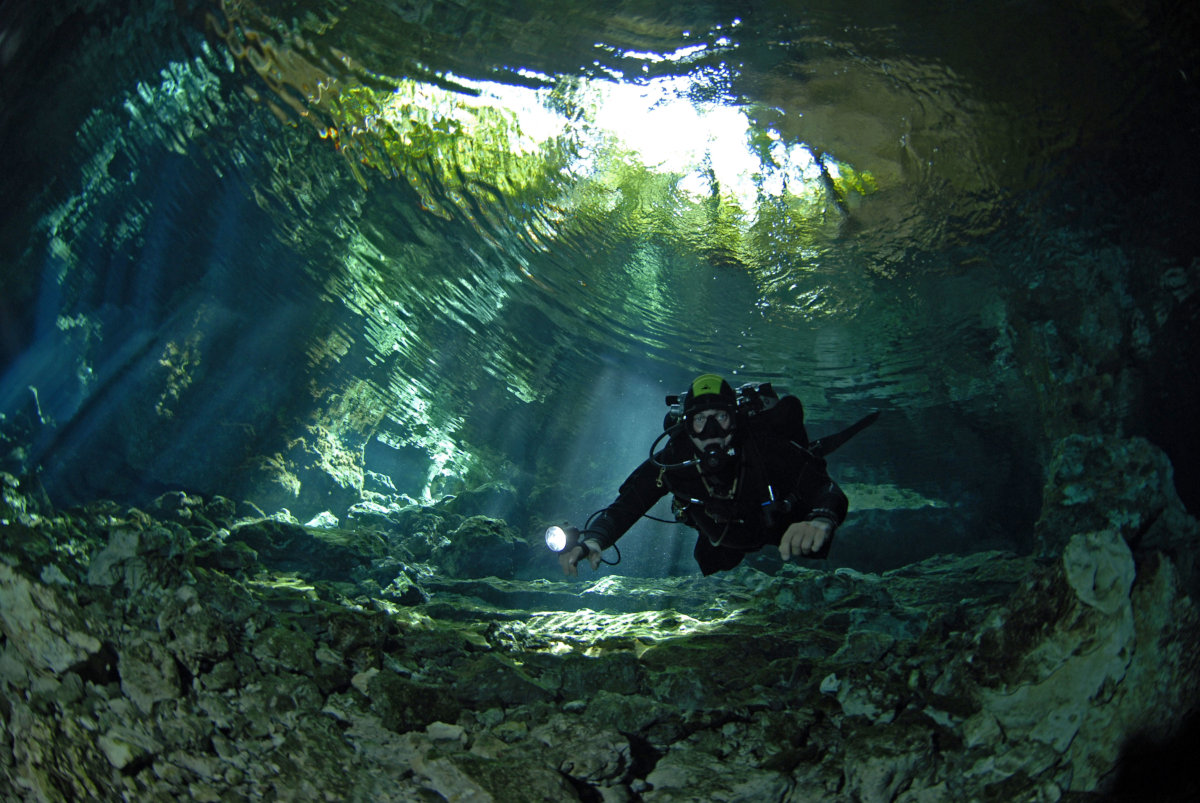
x=715, y=458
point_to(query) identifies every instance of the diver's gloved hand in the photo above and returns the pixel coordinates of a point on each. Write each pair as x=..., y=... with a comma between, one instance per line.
x=569, y=560
x=805, y=538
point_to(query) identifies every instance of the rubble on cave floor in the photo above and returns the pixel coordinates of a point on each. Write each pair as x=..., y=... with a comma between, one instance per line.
x=186, y=651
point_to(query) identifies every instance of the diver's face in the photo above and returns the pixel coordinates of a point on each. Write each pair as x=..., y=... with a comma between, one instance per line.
x=709, y=428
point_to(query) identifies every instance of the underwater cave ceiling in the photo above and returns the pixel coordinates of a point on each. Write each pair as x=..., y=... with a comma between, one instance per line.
x=313, y=315
x=279, y=235
x=280, y=245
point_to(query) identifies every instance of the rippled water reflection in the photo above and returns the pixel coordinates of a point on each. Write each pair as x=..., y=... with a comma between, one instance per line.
x=635, y=261
x=475, y=227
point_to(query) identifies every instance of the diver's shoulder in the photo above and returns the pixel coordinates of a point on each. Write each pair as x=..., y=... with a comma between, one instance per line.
x=788, y=405
x=787, y=412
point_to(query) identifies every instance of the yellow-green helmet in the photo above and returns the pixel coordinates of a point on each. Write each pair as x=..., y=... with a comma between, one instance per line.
x=709, y=391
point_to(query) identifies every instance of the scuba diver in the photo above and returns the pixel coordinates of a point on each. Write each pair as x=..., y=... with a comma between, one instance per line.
x=742, y=473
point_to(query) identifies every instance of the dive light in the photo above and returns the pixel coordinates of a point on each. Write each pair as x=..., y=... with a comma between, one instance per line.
x=564, y=538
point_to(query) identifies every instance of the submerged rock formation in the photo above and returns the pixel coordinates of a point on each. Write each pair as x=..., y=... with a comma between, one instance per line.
x=189, y=651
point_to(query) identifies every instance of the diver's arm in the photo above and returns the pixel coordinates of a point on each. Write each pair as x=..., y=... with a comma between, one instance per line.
x=816, y=495
x=569, y=560
x=636, y=496
x=828, y=502
x=822, y=508
x=806, y=538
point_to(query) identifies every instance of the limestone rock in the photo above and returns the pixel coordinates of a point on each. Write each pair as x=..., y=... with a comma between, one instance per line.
x=42, y=625
x=480, y=547
x=685, y=770
x=148, y=672
x=301, y=669
x=1102, y=483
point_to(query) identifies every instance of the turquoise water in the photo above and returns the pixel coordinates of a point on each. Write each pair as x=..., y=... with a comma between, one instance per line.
x=454, y=243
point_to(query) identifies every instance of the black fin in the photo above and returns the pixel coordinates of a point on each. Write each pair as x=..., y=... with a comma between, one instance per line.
x=823, y=446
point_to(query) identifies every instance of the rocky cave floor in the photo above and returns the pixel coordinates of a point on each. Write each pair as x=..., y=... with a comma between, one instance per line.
x=188, y=651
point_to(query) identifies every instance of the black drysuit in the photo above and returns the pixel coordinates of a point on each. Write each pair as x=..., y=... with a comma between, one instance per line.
x=771, y=482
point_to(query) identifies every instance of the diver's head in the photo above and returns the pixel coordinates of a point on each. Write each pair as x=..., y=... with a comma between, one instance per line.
x=710, y=419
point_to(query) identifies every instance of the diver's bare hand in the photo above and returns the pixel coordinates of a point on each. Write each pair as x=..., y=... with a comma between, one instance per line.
x=805, y=538
x=569, y=560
